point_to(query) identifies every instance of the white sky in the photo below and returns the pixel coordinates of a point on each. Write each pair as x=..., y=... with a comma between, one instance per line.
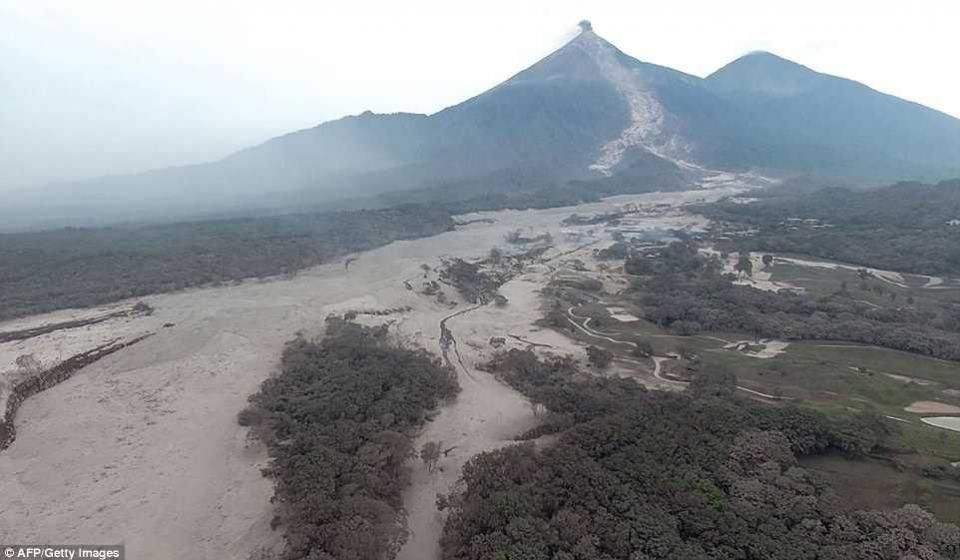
x=90, y=87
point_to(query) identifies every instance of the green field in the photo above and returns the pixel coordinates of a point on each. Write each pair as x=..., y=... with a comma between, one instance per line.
x=880, y=484
x=836, y=378
x=824, y=282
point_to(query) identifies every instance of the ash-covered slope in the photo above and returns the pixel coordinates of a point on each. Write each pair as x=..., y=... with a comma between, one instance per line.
x=586, y=110
x=807, y=120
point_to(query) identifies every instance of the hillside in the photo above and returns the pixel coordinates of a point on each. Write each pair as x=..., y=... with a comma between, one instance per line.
x=818, y=122
x=586, y=111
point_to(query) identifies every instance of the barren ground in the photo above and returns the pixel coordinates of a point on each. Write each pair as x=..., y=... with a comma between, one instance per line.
x=933, y=407
x=143, y=447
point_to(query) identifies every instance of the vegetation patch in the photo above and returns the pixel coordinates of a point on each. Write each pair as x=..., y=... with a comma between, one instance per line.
x=338, y=422
x=45, y=271
x=685, y=291
x=907, y=227
x=641, y=474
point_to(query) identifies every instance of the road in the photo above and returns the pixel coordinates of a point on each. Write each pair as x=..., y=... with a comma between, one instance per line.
x=657, y=360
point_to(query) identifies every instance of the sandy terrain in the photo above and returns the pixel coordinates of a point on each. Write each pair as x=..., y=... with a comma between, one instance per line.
x=945, y=422
x=908, y=379
x=52, y=348
x=761, y=275
x=771, y=348
x=143, y=448
x=932, y=407
x=759, y=279
x=486, y=415
x=622, y=315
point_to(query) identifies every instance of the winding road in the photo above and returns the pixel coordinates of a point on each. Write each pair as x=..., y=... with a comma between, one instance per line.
x=657, y=360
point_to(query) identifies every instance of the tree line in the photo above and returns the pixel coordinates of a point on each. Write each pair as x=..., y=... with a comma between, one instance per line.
x=45, y=271
x=686, y=291
x=907, y=227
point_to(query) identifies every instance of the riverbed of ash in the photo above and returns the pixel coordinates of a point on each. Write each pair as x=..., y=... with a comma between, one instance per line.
x=143, y=447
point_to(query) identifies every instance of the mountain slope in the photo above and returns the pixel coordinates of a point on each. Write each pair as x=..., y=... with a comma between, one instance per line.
x=587, y=110
x=849, y=127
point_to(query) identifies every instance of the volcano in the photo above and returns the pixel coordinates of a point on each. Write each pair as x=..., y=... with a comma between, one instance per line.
x=588, y=110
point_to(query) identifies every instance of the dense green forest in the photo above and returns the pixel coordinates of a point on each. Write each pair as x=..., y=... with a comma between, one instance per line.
x=338, y=421
x=642, y=475
x=684, y=290
x=908, y=227
x=78, y=267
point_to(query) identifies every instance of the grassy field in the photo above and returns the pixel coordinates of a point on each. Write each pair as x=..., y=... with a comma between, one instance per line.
x=836, y=378
x=877, y=484
x=823, y=282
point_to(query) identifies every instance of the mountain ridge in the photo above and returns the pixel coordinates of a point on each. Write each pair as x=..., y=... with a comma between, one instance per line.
x=580, y=112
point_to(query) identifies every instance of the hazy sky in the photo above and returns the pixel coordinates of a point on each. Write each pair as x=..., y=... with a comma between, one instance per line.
x=91, y=87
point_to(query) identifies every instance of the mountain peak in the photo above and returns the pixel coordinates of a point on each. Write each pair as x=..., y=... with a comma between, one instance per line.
x=589, y=58
x=764, y=73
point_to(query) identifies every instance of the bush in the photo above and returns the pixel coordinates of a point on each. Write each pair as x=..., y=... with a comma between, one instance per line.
x=599, y=357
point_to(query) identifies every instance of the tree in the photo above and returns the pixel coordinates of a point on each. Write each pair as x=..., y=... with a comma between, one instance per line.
x=642, y=349
x=713, y=382
x=430, y=455
x=556, y=317
x=143, y=308
x=744, y=265
x=599, y=357
x=538, y=407
x=29, y=363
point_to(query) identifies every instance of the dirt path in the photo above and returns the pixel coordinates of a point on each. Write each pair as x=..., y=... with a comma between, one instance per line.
x=657, y=360
x=658, y=371
x=585, y=328
x=486, y=415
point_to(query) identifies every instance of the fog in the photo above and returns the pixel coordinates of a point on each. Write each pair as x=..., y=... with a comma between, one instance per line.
x=103, y=87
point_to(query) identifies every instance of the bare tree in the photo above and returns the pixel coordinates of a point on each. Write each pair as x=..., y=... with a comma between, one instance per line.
x=538, y=408
x=29, y=363
x=430, y=455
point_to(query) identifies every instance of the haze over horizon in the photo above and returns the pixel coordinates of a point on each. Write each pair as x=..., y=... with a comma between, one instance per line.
x=107, y=87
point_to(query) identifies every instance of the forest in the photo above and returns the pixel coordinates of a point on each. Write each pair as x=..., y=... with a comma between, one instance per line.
x=684, y=290
x=643, y=475
x=337, y=421
x=83, y=267
x=907, y=227
x=75, y=267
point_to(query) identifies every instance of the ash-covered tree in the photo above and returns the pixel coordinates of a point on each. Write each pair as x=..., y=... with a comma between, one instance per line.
x=599, y=357
x=744, y=266
x=430, y=455
x=713, y=382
